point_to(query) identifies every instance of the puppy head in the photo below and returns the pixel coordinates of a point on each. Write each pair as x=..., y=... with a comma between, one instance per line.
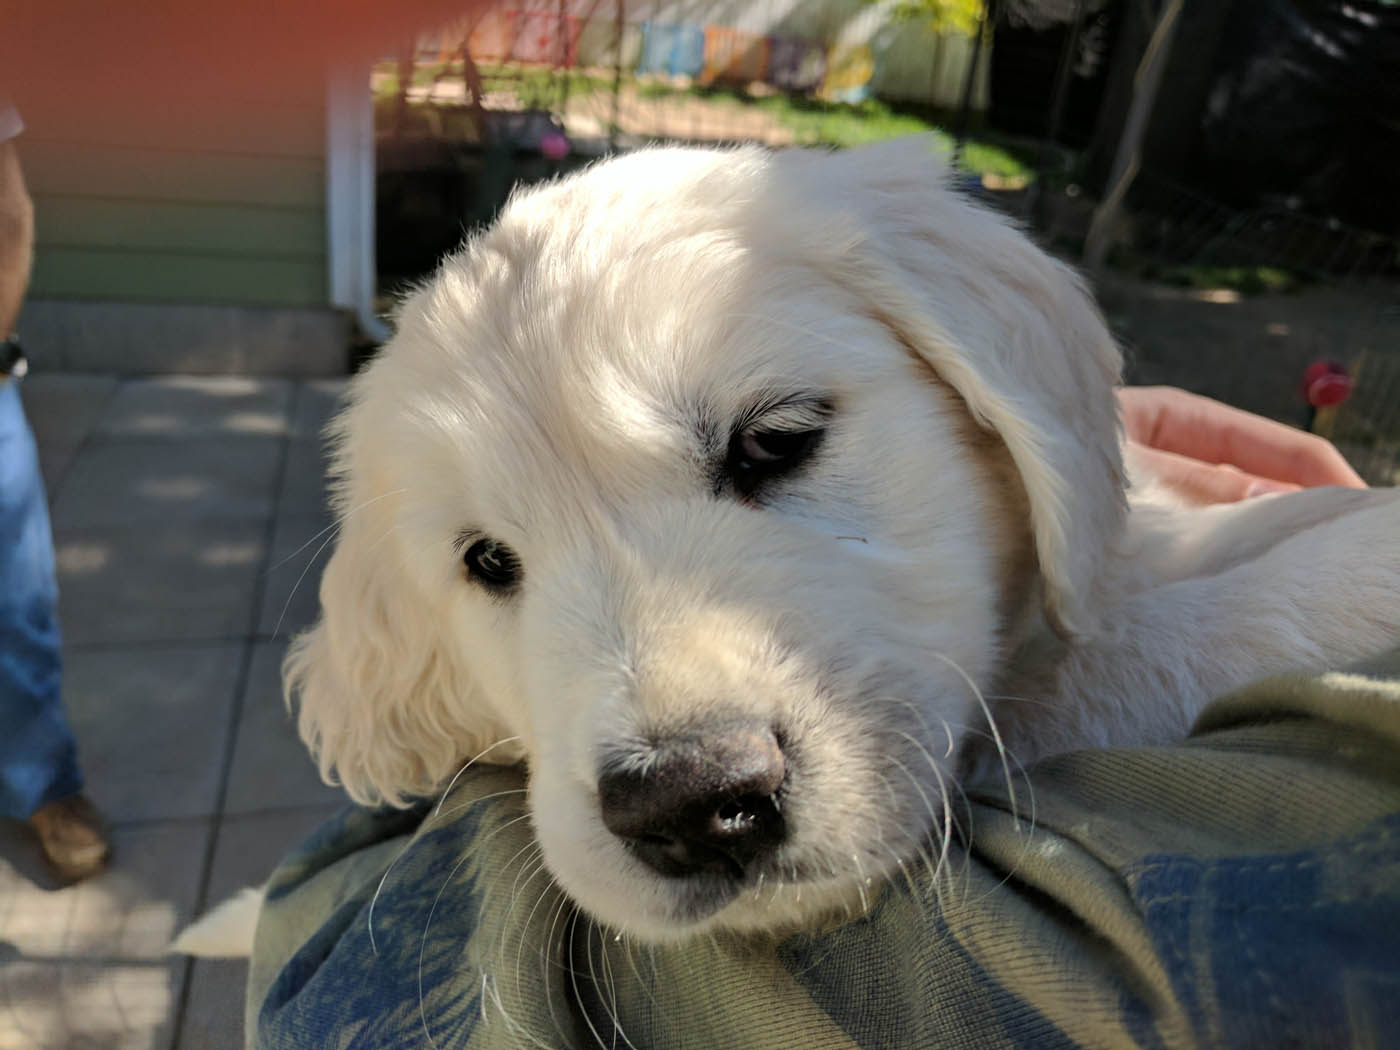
x=676, y=484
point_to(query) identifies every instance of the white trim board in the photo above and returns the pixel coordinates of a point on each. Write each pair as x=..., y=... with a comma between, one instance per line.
x=350, y=257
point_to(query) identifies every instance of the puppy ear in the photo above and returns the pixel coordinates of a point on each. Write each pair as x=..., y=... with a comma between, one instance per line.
x=383, y=702
x=1013, y=331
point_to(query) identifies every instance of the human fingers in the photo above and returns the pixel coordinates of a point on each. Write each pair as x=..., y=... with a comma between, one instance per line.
x=1200, y=428
x=1204, y=483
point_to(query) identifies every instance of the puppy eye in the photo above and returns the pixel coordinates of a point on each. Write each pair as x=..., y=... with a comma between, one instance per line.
x=758, y=456
x=492, y=564
x=773, y=446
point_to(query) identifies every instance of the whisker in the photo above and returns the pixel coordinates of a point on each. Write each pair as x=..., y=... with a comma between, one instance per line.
x=369, y=917
x=423, y=944
x=945, y=832
x=1022, y=773
x=932, y=813
x=860, y=874
x=470, y=762
x=607, y=988
x=333, y=527
x=627, y=946
x=540, y=898
x=947, y=836
x=482, y=798
x=340, y=520
x=991, y=724
x=277, y=627
x=1038, y=701
x=561, y=906
x=533, y=863
x=488, y=985
x=573, y=976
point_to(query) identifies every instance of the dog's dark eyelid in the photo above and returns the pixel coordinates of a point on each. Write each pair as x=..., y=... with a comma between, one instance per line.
x=758, y=457
x=772, y=445
x=776, y=436
x=793, y=412
x=492, y=564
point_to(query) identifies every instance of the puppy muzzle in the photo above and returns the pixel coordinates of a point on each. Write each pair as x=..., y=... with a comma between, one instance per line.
x=704, y=804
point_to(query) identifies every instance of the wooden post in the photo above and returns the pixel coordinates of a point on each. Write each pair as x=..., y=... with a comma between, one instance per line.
x=1035, y=195
x=1128, y=156
x=984, y=24
x=620, y=29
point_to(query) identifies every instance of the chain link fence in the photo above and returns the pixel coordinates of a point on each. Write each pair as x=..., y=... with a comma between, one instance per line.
x=1233, y=301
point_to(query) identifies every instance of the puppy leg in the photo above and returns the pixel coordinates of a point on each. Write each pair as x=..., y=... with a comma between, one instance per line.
x=225, y=931
x=1167, y=543
x=1321, y=598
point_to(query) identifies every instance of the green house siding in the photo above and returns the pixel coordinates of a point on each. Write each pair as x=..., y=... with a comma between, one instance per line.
x=174, y=202
x=168, y=277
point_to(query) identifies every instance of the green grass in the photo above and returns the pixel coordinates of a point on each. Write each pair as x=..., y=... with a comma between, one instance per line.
x=1250, y=280
x=812, y=122
x=1244, y=279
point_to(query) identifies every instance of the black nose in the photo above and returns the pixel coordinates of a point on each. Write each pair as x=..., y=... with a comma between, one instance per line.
x=699, y=804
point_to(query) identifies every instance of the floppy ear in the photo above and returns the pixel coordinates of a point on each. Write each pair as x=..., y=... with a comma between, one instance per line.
x=1013, y=331
x=384, y=702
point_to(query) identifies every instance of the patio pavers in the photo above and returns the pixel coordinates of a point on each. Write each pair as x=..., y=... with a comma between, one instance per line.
x=181, y=508
x=270, y=770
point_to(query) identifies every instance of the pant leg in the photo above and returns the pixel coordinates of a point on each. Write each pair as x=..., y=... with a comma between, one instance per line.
x=38, y=755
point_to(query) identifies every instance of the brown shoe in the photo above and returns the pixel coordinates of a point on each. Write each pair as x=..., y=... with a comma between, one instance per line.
x=71, y=837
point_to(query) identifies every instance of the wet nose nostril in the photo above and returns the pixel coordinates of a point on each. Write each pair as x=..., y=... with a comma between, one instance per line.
x=674, y=853
x=699, y=804
x=736, y=817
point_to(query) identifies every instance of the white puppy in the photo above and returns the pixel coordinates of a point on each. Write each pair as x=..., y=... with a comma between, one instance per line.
x=740, y=495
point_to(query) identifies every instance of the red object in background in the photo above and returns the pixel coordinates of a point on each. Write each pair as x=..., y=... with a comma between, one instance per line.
x=1326, y=384
x=554, y=145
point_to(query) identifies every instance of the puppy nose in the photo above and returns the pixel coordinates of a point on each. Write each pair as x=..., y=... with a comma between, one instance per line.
x=699, y=804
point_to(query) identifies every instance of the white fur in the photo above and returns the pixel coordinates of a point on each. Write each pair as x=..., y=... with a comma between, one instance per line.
x=551, y=387
x=225, y=931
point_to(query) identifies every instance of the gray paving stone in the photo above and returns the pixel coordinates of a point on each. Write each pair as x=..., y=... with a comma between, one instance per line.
x=54, y=461
x=130, y=482
x=301, y=546
x=271, y=767
x=304, y=479
x=152, y=725
x=249, y=848
x=62, y=411
x=158, y=582
x=316, y=401
x=214, y=1011
x=63, y=408
x=85, y=965
x=199, y=406
x=156, y=338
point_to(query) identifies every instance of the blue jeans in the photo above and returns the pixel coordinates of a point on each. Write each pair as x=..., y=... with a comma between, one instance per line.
x=38, y=756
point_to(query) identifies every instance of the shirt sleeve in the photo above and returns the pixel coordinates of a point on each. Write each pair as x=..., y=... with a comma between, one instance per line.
x=1238, y=889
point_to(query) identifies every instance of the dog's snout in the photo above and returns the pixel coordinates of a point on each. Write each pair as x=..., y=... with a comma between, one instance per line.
x=704, y=804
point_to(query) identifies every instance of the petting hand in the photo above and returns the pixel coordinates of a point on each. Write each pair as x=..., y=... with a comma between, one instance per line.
x=1212, y=453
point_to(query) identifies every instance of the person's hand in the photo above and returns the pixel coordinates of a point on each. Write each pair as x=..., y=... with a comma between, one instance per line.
x=1211, y=453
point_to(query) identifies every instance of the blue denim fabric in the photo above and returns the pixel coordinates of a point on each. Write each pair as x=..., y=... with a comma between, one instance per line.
x=38, y=756
x=1240, y=889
